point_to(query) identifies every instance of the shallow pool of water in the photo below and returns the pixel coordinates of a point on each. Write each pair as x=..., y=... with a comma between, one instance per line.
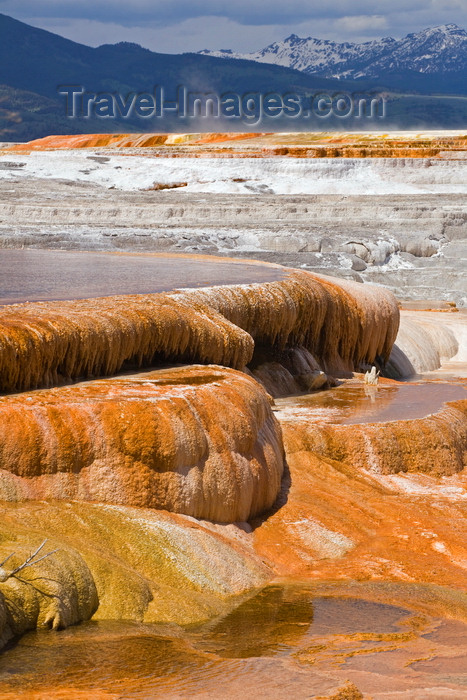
x=281, y=642
x=44, y=275
x=352, y=404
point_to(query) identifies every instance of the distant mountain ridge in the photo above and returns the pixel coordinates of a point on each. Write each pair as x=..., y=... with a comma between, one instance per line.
x=435, y=51
x=35, y=65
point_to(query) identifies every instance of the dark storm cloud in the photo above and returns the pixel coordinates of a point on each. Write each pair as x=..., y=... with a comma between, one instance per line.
x=246, y=12
x=176, y=26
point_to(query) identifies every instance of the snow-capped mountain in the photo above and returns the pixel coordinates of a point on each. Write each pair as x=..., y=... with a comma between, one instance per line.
x=435, y=51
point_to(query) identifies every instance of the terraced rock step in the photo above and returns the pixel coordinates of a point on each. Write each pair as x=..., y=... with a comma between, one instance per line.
x=201, y=441
x=297, y=145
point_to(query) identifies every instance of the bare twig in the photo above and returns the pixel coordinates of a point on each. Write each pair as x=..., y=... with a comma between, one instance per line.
x=5, y=560
x=25, y=565
x=30, y=561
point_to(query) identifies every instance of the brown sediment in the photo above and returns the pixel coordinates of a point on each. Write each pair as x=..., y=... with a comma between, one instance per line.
x=348, y=691
x=342, y=324
x=196, y=440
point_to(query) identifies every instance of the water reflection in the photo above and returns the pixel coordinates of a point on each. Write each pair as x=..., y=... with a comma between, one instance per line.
x=352, y=404
x=95, y=655
x=273, y=619
x=264, y=642
x=44, y=275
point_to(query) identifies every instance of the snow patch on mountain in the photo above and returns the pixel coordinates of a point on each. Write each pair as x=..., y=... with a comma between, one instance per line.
x=435, y=50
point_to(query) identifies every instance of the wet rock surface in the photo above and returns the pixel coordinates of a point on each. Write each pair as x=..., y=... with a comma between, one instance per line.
x=415, y=245
x=352, y=580
x=201, y=441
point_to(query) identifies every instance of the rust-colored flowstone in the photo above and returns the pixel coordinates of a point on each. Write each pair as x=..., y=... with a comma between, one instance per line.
x=201, y=441
x=44, y=344
x=369, y=502
x=343, y=324
x=373, y=502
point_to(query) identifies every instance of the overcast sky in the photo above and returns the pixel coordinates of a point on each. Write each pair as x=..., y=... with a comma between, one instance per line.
x=175, y=26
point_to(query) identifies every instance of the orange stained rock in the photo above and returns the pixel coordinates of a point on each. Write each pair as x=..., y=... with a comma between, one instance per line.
x=195, y=440
x=43, y=344
x=345, y=514
x=294, y=145
x=436, y=444
x=128, y=140
x=79, y=141
x=342, y=324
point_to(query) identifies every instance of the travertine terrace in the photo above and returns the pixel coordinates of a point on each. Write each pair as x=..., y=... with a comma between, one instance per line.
x=435, y=444
x=342, y=323
x=139, y=433
x=387, y=208
x=200, y=441
x=52, y=448
x=403, y=144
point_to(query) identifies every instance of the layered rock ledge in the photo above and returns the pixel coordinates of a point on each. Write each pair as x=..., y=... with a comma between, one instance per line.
x=96, y=465
x=342, y=324
x=201, y=441
x=295, y=145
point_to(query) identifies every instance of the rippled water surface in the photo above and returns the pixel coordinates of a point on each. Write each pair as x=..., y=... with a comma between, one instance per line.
x=281, y=642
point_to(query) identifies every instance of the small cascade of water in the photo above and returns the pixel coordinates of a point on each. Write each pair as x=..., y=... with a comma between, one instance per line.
x=150, y=478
